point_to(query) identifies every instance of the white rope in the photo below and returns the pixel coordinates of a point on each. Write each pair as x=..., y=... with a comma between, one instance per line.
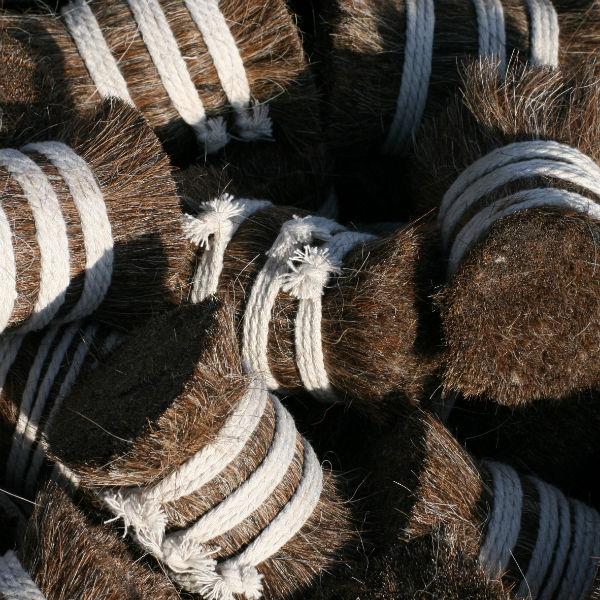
x=99, y=60
x=416, y=71
x=173, y=72
x=254, y=492
x=15, y=581
x=252, y=120
x=505, y=521
x=190, y=562
x=74, y=367
x=561, y=550
x=27, y=400
x=212, y=229
x=51, y=235
x=583, y=553
x=8, y=271
x=520, y=160
x=9, y=347
x=294, y=234
x=547, y=536
x=492, y=31
x=544, y=43
x=95, y=225
x=523, y=200
x=310, y=270
x=34, y=401
x=238, y=575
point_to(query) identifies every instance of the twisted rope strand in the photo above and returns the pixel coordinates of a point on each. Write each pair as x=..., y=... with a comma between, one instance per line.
x=416, y=72
x=93, y=49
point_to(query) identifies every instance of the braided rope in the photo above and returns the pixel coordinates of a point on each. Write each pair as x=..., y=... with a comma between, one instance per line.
x=294, y=234
x=492, y=31
x=95, y=225
x=416, y=71
x=545, y=42
x=93, y=49
x=252, y=120
x=513, y=162
x=174, y=74
x=310, y=270
x=184, y=553
x=505, y=521
x=212, y=229
x=51, y=236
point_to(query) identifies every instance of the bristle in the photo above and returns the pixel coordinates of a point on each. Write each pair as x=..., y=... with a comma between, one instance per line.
x=520, y=310
x=71, y=556
x=202, y=74
x=373, y=312
x=167, y=422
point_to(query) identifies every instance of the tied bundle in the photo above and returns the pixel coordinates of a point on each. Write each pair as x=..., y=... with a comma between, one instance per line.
x=440, y=520
x=204, y=468
x=62, y=553
x=38, y=372
x=394, y=62
x=203, y=70
x=518, y=212
x=89, y=223
x=521, y=530
x=319, y=305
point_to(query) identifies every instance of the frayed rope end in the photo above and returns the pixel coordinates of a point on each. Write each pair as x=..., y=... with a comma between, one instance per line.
x=216, y=217
x=310, y=270
x=254, y=122
x=213, y=134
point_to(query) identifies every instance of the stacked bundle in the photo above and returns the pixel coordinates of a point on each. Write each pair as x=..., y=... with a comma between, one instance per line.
x=180, y=304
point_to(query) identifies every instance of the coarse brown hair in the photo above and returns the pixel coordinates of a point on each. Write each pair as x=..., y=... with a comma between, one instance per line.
x=134, y=176
x=70, y=555
x=160, y=398
x=426, y=506
x=43, y=73
x=379, y=336
x=46, y=363
x=368, y=55
x=521, y=314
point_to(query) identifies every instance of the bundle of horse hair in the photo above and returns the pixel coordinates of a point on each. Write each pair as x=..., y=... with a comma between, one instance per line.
x=203, y=466
x=197, y=70
x=37, y=373
x=484, y=529
x=320, y=306
x=518, y=213
x=395, y=61
x=89, y=223
x=63, y=553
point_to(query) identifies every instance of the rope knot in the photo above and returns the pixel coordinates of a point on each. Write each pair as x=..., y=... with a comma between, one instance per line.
x=216, y=218
x=254, y=122
x=309, y=271
x=215, y=134
x=300, y=230
x=190, y=559
x=244, y=580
